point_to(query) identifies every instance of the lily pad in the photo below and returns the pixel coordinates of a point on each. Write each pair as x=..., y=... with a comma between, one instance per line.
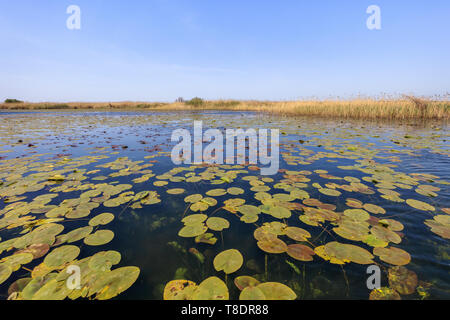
x=61, y=255
x=420, y=205
x=401, y=279
x=392, y=255
x=252, y=293
x=114, y=282
x=193, y=230
x=98, y=238
x=179, y=290
x=217, y=224
x=211, y=288
x=101, y=219
x=5, y=272
x=297, y=234
x=273, y=245
x=228, y=261
x=300, y=252
x=243, y=282
x=384, y=293
x=276, y=291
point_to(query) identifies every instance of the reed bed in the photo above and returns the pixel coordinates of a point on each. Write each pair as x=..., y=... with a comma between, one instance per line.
x=389, y=109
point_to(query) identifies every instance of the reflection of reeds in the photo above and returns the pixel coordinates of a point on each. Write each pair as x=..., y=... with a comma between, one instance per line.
x=401, y=109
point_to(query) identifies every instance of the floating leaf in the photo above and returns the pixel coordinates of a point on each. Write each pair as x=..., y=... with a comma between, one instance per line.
x=38, y=250
x=384, y=293
x=104, y=260
x=243, y=282
x=372, y=208
x=61, y=255
x=216, y=192
x=393, y=255
x=176, y=191
x=52, y=290
x=330, y=192
x=207, y=238
x=211, y=288
x=252, y=293
x=194, y=219
x=5, y=272
x=420, y=205
x=300, y=252
x=217, y=224
x=98, y=238
x=101, y=219
x=179, y=290
x=112, y=283
x=235, y=191
x=77, y=234
x=193, y=198
x=297, y=234
x=401, y=279
x=276, y=291
x=193, y=230
x=228, y=261
x=273, y=245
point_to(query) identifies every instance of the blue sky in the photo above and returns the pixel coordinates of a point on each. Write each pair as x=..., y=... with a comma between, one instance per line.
x=158, y=50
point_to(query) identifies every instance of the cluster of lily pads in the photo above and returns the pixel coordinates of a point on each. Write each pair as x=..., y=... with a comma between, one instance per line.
x=54, y=207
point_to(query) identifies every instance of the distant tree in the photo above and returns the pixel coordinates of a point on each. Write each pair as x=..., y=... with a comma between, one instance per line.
x=180, y=99
x=13, y=101
x=196, y=102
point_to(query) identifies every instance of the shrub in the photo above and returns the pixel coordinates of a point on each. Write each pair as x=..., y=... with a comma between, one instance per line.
x=13, y=101
x=196, y=102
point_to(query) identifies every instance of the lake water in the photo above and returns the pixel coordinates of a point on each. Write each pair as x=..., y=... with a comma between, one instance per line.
x=330, y=170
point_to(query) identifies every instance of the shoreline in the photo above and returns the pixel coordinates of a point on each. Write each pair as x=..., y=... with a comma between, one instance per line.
x=365, y=109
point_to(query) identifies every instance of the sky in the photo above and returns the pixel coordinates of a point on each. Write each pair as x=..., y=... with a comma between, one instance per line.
x=159, y=50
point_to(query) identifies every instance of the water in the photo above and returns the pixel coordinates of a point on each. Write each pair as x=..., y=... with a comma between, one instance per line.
x=46, y=142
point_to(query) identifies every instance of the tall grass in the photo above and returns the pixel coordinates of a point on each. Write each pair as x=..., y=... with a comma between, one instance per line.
x=391, y=109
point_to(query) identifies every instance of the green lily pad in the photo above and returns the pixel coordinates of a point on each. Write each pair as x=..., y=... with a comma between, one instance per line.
x=276, y=291
x=176, y=191
x=98, y=238
x=104, y=260
x=279, y=212
x=252, y=293
x=372, y=208
x=101, y=219
x=192, y=230
x=194, y=219
x=179, y=290
x=247, y=209
x=217, y=224
x=5, y=272
x=61, y=255
x=235, y=191
x=330, y=192
x=211, y=288
x=52, y=290
x=207, y=238
x=216, y=192
x=193, y=198
x=228, y=261
x=420, y=205
x=112, y=283
x=77, y=234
